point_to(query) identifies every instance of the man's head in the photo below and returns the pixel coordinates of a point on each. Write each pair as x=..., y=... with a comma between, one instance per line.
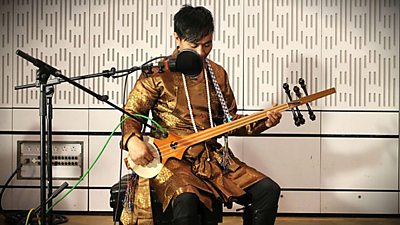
x=193, y=29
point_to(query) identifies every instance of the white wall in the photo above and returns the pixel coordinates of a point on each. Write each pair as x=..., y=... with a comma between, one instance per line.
x=344, y=162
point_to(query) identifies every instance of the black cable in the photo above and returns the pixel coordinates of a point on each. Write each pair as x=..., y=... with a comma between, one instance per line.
x=5, y=186
x=20, y=217
x=142, y=67
x=159, y=57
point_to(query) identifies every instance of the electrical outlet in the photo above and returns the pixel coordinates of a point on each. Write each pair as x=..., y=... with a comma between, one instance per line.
x=67, y=159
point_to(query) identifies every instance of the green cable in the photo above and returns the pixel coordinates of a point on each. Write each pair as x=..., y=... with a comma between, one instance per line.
x=98, y=156
x=29, y=215
x=157, y=124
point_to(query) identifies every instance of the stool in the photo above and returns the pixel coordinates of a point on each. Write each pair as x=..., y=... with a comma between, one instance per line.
x=159, y=217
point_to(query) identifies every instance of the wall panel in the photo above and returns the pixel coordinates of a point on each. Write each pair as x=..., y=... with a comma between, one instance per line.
x=282, y=44
x=359, y=202
x=360, y=123
x=290, y=165
x=63, y=120
x=351, y=150
x=105, y=172
x=6, y=158
x=6, y=121
x=360, y=45
x=123, y=34
x=103, y=120
x=349, y=163
x=99, y=200
x=6, y=53
x=24, y=200
x=300, y=202
x=76, y=201
x=57, y=33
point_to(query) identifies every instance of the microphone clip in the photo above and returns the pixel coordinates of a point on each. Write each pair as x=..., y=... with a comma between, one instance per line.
x=148, y=69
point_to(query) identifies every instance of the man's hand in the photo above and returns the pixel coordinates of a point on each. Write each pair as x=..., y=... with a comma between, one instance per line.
x=273, y=118
x=139, y=152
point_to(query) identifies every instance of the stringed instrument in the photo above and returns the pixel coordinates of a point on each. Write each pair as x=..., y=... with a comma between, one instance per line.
x=175, y=146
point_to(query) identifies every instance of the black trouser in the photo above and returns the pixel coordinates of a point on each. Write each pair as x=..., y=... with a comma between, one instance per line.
x=263, y=195
x=264, y=203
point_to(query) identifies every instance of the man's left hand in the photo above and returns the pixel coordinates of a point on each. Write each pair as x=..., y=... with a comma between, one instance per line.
x=273, y=118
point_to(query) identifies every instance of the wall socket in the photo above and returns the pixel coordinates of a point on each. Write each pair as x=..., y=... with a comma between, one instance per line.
x=67, y=160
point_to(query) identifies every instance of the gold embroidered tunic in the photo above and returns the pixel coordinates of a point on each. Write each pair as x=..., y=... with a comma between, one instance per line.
x=164, y=95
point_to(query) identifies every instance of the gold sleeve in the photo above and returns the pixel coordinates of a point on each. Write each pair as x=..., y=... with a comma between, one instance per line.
x=140, y=101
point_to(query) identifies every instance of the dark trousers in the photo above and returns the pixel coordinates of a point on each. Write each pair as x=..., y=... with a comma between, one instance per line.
x=261, y=206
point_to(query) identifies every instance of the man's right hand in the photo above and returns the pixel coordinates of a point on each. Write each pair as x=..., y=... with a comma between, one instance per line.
x=139, y=152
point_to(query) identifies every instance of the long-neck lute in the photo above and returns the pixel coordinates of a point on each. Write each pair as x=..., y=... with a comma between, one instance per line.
x=175, y=146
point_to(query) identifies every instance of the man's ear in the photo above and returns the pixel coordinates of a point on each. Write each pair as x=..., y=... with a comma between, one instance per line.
x=177, y=39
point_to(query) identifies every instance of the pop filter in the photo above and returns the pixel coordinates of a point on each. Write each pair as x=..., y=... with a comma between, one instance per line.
x=187, y=62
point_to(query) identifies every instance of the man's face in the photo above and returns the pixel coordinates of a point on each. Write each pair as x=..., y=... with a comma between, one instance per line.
x=202, y=47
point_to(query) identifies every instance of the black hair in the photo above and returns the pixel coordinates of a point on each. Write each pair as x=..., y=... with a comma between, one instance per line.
x=193, y=23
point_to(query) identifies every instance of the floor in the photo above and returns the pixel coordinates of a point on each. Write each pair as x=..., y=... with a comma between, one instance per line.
x=235, y=220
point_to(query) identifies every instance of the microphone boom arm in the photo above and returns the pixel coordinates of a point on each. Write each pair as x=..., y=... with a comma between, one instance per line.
x=62, y=78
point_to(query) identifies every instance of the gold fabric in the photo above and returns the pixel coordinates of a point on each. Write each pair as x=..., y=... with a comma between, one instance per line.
x=142, y=213
x=163, y=94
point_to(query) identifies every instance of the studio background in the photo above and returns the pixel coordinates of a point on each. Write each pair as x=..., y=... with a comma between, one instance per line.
x=347, y=161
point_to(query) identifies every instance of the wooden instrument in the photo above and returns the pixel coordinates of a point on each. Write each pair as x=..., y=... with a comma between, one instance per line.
x=175, y=146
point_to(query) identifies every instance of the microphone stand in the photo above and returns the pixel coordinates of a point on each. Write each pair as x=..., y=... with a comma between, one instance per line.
x=49, y=98
x=46, y=94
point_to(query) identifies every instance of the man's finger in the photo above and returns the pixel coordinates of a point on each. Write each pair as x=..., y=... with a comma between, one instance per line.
x=149, y=158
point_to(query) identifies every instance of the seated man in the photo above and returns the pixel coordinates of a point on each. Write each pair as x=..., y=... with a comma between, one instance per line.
x=185, y=105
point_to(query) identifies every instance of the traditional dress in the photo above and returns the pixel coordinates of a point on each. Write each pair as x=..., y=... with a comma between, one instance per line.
x=164, y=95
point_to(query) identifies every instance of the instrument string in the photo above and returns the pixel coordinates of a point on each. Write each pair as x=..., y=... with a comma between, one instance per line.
x=192, y=139
x=189, y=140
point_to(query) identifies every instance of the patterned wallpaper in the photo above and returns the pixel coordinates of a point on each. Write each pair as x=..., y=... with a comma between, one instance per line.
x=350, y=45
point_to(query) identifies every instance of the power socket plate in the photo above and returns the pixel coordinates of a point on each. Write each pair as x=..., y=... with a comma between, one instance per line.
x=67, y=159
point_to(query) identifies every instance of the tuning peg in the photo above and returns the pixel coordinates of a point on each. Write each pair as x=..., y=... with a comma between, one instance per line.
x=310, y=111
x=287, y=91
x=300, y=116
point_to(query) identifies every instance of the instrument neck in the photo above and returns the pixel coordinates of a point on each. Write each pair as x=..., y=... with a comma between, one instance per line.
x=233, y=125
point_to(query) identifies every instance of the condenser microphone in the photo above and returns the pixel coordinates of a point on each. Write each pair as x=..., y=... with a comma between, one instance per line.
x=186, y=61
x=37, y=62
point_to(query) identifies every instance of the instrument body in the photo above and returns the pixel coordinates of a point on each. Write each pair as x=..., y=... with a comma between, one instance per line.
x=175, y=146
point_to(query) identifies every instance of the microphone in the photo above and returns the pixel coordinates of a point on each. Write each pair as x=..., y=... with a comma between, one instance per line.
x=186, y=61
x=37, y=62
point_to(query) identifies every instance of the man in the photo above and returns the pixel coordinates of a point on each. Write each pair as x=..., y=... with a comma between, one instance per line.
x=207, y=172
